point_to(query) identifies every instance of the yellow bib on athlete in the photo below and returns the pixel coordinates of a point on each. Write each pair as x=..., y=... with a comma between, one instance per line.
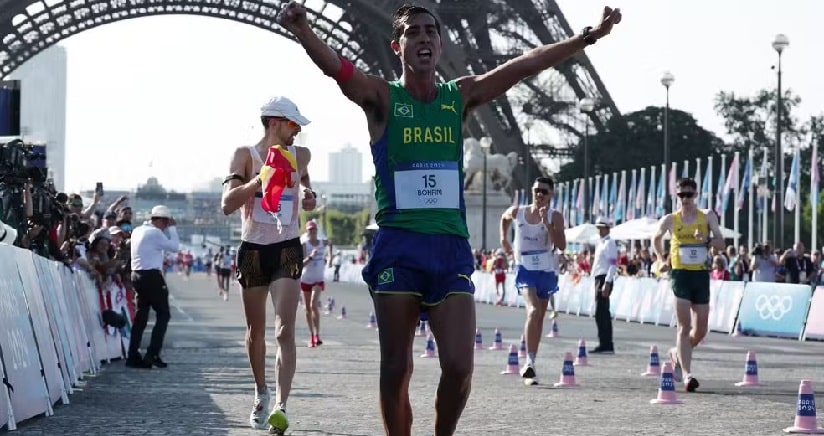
x=686, y=252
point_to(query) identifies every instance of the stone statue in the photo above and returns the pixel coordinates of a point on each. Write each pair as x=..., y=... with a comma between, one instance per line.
x=499, y=168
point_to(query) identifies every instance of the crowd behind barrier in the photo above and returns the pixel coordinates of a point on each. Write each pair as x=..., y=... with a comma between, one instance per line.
x=752, y=308
x=52, y=332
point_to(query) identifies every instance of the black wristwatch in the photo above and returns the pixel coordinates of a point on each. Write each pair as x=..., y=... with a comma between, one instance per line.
x=586, y=34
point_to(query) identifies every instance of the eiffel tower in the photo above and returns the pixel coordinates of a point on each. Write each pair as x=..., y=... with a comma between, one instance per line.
x=538, y=119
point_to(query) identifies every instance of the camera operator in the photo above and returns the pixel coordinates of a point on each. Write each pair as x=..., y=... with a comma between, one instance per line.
x=763, y=263
x=797, y=266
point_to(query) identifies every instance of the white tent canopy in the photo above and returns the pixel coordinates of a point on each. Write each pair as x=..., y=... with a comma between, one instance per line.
x=582, y=234
x=645, y=228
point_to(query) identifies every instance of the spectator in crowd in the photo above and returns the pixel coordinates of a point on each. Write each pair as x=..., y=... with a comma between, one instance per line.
x=763, y=264
x=740, y=265
x=797, y=266
x=719, y=272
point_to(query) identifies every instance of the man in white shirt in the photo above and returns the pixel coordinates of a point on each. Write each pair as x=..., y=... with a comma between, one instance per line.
x=149, y=242
x=604, y=271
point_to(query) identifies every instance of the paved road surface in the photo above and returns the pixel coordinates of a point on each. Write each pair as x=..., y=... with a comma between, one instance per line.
x=207, y=389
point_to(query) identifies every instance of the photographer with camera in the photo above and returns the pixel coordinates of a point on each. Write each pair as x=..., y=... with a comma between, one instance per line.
x=798, y=267
x=763, y=263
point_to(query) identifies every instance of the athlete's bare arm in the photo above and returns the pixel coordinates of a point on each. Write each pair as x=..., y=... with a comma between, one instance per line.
x=481, y=89
x=556, y=231
x=506, y=221
x=303, y=157
x=237, y=192
x=664, y=226
x=717, y=239
x=369, y=92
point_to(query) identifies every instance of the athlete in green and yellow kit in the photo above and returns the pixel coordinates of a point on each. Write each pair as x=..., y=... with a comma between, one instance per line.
x=693, y=231
x=421, y=259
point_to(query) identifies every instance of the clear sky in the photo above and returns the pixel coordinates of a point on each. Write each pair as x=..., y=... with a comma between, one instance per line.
x=175, y=95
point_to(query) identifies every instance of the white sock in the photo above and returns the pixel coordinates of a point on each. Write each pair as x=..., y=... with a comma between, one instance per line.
x=687, y=376
x=258, y=391
x=530, y=358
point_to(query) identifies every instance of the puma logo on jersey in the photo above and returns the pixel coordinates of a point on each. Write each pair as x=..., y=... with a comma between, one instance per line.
x=449, y=107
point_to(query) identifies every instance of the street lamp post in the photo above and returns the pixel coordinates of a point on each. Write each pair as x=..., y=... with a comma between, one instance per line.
x=586, y=105
x=528, y=181
x=667, y=80
x=779, y=44
x=486, y=143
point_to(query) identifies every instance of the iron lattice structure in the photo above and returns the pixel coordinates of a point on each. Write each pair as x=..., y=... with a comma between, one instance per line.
x=478, y=36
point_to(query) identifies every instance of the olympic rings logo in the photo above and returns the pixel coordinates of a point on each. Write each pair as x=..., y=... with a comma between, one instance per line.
x=774, y=307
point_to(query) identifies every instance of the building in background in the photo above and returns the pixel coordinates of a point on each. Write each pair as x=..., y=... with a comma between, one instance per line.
x=198, y=213
x=43, y=107
x=346, y=166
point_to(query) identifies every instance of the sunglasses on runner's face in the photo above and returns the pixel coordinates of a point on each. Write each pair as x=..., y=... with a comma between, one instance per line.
x=687, y=194
x=289, y=122
x=542, y=191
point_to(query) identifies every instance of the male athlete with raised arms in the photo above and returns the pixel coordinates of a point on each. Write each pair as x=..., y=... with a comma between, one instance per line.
x=421, y=256
x=693, y=232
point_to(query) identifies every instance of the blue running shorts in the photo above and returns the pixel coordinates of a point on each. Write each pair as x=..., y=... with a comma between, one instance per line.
x=544, y=282
x=431, y=267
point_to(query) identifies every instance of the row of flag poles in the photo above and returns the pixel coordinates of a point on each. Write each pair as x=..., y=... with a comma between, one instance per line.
x=648, y=191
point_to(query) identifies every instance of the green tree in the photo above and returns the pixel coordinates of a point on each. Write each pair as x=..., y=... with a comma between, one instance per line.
x=750, y=122
x=341, y=228
x=636, y=140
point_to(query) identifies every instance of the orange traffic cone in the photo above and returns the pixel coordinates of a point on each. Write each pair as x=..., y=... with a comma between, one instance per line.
x=499, y=343
x=654, y=366
x=666, y=389
x=750, y=371
x=567, y=373
x=511, y=361
x=581, y=360
x=429, y=351
x=805, y=421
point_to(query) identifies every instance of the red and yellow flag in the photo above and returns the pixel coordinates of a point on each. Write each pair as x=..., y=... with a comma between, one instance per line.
x=276, y=175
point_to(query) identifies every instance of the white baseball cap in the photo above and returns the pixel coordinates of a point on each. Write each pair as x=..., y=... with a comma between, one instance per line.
x=8, y=234
x=603, y=222
x=280, y=106
x=161, y=211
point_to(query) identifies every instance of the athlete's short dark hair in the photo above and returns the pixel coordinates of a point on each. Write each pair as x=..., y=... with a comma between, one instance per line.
x=686, y=182
x=546, y=181
x=403, y=13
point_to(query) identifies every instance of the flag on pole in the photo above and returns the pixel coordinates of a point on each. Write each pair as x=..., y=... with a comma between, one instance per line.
x=791, y=195
x=672, y=181
x=596, y=199
x=706, y=191
x=651, y=195
x=659, y=208
x=631, y=199
x=814, y=178
x=745, y=185
x=620, y=207
x=730, y=184
x=719, y=192
x=613, y=193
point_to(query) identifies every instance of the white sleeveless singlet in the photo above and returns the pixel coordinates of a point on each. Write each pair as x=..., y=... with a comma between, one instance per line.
x=261, y=227
x=533, y=251
x=313, y=270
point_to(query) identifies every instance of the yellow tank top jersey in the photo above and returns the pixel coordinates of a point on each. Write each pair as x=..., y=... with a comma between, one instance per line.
x=686, y=252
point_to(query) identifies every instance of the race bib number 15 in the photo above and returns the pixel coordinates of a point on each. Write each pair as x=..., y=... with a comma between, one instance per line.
x=427, y=185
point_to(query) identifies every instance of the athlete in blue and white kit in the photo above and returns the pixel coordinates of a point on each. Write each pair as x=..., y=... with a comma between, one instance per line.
x=539, y=231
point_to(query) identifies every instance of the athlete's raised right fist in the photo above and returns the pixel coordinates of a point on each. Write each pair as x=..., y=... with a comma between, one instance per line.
x=293, y=17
